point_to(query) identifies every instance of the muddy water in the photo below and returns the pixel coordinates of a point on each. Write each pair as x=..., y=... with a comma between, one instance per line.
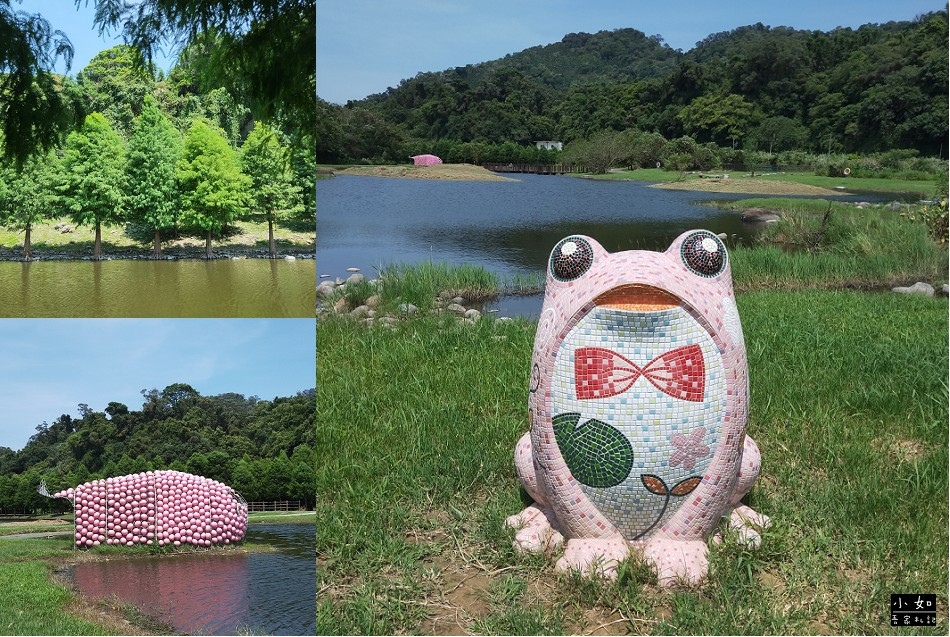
x=166, y=289
x=253, y=593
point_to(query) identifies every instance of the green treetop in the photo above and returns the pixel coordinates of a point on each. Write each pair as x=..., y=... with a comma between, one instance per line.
x=151, y=189
x=274, y=191
x=94, y=164
x=213, y=188
x=27, y=194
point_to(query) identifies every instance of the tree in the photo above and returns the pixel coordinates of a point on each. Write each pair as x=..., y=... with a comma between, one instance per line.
x=264, y=49
x=211, y=182
x=274, y=191
x=36, y=106
x=94, y=165
x=27, y=194
x=151, y=189
x=719, y=117
x=778, y=134
x=115, y=83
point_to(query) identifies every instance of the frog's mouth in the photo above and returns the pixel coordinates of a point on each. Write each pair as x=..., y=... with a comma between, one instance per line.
x=636, y=297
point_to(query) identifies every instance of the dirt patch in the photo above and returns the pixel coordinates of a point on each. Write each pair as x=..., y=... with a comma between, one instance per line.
x=442, y=172
x=748, y=186
x=900, y=449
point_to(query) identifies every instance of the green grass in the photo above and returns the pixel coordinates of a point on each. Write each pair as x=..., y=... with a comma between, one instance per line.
x=249, y=234
x=418, y=424
x=858, y=248
x=30, y=602
x=868, y=184
x=421, y=283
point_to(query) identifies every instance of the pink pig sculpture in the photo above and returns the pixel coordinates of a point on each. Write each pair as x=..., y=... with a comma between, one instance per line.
x=638, y=405
x=157, y=507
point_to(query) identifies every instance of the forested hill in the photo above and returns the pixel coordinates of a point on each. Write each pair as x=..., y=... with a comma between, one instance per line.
x=622, y=55
x=236, y=439
x=871, y=89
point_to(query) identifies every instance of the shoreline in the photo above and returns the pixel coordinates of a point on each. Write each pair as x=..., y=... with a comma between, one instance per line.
x=16, y=256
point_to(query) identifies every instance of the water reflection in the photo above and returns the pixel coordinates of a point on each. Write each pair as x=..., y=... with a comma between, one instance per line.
x=218, y=288
x=508, y=227
x=272, y=593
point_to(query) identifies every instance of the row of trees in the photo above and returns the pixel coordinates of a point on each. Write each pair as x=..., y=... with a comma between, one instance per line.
x=158, y=182
x=264, y=448
x=867, y=90
x=190, y=162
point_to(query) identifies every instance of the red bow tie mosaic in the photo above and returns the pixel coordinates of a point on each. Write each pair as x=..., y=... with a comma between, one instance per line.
x=602, y=373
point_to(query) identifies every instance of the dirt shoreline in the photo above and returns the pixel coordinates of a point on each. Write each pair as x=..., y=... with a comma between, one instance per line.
x=747, y=186
x=16, y=254
x=439, y=172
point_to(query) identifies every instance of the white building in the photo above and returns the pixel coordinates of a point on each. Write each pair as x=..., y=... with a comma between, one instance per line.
x=549, y=145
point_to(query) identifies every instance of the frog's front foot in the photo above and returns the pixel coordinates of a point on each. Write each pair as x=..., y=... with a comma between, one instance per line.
x=747, y=526
x=596, y=556
x=683, y=562
x=535, y=531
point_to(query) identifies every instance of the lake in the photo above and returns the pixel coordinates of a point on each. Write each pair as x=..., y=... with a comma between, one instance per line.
x=507, y=227
x=162, y=289
x=214, y=594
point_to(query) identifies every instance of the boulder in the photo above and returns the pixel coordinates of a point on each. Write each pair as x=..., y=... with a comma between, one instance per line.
x=355, y=278
x=374, y=301
x=359, y=312
x=473, y=314
x=455, y=308
x=920, y=287
x=408, y=308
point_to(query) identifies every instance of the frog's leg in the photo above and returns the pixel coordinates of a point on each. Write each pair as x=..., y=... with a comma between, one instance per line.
x=594, y=556
x=677, y=561
x=536, y=526
x=747, y=523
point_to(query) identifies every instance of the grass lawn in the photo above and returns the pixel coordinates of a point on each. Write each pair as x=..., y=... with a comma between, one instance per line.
x=861, y=184
x=417, y=430
x=245, y=236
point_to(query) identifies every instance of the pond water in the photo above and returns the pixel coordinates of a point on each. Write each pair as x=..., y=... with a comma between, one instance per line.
x=507, y=227
x=162, y=289
x=253, y=593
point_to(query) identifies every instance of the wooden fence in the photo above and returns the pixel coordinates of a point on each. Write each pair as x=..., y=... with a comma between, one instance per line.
x=537, y=169
x=279, y=505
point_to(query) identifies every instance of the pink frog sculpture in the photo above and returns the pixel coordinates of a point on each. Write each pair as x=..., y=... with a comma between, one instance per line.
x=638, y=405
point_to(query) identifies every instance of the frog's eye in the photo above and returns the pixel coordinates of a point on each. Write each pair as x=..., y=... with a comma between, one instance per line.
x=571, y=258
x=703, y=253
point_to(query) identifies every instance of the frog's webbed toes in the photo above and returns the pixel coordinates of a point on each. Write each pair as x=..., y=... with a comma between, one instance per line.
x=596, y=556
x=677, y=562
x=535, y=533
x=746, y=525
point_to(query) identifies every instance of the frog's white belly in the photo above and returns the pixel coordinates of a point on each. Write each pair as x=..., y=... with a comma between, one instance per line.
x=671, y=439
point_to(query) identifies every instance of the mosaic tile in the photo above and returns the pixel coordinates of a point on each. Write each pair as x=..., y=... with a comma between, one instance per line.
x=639, y=399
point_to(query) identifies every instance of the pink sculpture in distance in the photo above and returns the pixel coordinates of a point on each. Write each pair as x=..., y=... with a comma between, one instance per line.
x=425, y=160
x=157, y=507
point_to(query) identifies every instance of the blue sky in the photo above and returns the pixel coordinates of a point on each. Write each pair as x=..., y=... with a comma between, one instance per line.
x=78, y=26
x=366, y=46
x=49, y=366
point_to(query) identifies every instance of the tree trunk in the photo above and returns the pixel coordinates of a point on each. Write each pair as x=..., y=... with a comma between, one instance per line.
x=97, y=248
x=270, y=239
x=208, y=245
x=27, y=247
x=157, y=246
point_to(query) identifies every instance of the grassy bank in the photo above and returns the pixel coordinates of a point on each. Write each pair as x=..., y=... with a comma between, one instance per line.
x=773, y=183
x=848, y=404
x=34, y=600
x=831, y=245
x=245, y=237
